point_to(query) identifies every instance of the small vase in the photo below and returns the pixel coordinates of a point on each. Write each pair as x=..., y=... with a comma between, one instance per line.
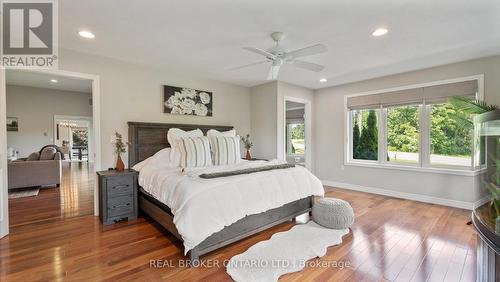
x=120, y=166
x=248, y=156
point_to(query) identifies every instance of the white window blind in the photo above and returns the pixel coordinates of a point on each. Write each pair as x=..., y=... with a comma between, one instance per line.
x=430, y=94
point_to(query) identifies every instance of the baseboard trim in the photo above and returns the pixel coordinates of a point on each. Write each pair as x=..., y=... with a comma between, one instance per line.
x=482, y=201
x=404, y=195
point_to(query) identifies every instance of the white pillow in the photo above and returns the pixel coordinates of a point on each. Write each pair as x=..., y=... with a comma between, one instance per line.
x=195, y=152
x=174, y=135
x=140, y=165
x=212, y=135
x=226, y=150
x=161, y=158
x=215, y=133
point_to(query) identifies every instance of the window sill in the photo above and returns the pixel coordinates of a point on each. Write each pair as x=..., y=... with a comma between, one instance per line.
x=438, y=170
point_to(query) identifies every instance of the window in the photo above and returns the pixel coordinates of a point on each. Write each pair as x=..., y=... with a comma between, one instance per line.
x=364, y=134
x=451, y=136
x=295, y=138
x=414, y=127
x=403, y=134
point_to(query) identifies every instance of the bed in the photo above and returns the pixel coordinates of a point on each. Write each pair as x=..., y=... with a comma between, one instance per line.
x=148, y=138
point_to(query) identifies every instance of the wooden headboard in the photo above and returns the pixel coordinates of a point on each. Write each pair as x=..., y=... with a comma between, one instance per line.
x=148, y=138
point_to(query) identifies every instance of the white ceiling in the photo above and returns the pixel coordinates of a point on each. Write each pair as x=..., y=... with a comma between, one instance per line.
x=42, y=80
x=206, y=38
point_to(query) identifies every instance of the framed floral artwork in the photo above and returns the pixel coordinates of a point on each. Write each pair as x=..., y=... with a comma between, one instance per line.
x=187, y=101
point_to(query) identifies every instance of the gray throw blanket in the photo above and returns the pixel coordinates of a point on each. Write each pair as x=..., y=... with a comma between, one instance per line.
x=245, y=171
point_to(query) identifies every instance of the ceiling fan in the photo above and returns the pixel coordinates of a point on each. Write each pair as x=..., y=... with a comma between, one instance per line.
x=278, y=56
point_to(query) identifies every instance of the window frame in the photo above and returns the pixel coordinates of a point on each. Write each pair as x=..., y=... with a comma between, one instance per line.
x=424, y=163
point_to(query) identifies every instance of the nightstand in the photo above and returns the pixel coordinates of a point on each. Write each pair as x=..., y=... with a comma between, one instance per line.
x=117, y=195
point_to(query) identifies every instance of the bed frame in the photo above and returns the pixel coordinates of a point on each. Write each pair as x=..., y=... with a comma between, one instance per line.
x=148, y=138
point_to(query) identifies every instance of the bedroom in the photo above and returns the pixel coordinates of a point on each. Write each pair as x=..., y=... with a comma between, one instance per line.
x=138, y=50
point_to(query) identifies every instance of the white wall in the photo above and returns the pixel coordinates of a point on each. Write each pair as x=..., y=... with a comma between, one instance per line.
x=35, y=109
x=131, y=92
x=329, y=135
x=264, y=120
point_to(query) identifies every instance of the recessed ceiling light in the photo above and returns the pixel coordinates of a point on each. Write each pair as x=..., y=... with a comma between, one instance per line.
x=86, y=34
x=53, y=80
x=323, y=80
x=379, y=32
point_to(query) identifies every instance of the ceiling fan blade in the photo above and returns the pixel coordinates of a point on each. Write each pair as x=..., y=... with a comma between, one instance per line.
x=307, y=51
x=260, y=52
x=248, y=65
x=308, y=66
x=273, y=72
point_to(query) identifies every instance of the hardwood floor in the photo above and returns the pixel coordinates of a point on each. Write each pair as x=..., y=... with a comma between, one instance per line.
x=391, y=240
x=74, y=197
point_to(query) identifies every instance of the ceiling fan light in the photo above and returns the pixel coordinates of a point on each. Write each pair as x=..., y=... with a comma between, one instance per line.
x=323, y=80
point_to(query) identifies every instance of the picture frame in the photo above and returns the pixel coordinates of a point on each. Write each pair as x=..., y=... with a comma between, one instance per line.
x=12, y=124
x=187, y=101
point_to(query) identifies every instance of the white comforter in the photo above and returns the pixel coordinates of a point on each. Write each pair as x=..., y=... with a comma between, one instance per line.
x=202, y=207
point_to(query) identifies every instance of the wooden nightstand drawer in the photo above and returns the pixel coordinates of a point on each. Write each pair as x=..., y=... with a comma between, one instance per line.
x=120, y=206
x=119, y=186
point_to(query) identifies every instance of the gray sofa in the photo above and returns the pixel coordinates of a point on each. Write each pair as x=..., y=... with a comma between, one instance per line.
x=42, y=171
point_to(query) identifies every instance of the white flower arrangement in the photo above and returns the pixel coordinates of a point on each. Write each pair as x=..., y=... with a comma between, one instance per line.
x=187, y=101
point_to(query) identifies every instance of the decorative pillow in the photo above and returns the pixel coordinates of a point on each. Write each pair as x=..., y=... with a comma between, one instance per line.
x=195, y=152
x=175, y=134
x=227, y=150
x=212, y=135
x=35, y=156
x=215, y=133
x=48, y=153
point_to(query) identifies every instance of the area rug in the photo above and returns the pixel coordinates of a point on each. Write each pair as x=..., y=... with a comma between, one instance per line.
x=23, y=193
x=285, y=252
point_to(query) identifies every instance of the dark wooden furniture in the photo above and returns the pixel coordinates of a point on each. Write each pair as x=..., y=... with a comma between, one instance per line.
x=80, y=152
x=117, y=195
x=148, y=138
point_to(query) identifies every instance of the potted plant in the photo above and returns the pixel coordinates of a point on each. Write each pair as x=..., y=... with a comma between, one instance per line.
x=120, y=147
x=248, y=145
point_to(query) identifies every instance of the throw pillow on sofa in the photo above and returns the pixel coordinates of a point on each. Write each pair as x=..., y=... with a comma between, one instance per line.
x=48, y=153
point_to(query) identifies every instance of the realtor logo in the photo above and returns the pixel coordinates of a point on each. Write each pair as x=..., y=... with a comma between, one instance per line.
x=29, y=34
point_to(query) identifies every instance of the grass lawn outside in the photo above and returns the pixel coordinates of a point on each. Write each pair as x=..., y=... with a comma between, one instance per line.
x=299, y=146
x=404, y=157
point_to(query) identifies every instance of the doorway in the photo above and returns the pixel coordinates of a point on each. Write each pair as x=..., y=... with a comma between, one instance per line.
x=43, y=126
x=74, y=135
x=297, y=132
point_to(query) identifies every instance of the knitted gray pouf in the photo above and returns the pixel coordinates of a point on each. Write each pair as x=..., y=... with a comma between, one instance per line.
x=333, y=213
